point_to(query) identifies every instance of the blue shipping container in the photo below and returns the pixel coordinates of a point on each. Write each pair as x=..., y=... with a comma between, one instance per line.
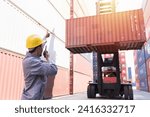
x=142, y=72
x=147, y=49
x=143, y=84
x=140, y=57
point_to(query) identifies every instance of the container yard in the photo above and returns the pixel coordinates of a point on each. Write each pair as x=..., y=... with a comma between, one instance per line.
x=88, y=39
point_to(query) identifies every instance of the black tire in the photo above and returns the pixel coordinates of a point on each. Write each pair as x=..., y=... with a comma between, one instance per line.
x=130, y=93
x=126, y=92
x=91, y=91
x=110, y=94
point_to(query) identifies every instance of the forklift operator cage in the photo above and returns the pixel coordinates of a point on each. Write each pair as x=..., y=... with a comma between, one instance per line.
x=106, y=33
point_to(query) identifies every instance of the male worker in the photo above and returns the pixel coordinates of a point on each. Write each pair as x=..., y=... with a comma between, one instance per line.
x=35, y=70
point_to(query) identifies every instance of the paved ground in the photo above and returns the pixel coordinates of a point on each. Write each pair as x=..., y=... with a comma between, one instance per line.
x=138, y=95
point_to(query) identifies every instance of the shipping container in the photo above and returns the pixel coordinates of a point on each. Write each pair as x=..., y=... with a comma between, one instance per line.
x=106, y=33
x=136, y=69
x=146, y=10
x=54, y=84
x=143, y=84
x=82, y=73
x=137, y=84
x=148, y=66
x=79, y=65
x=147, y=25
x=11, y=75
x=142, y=72
x=135, y=56
x=141, y=57
x=148, y=83
x=147, y=49
x=81, y=81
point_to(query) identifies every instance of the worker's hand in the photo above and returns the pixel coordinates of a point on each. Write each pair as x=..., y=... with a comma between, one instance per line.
x=46, y=55
x=47, y=35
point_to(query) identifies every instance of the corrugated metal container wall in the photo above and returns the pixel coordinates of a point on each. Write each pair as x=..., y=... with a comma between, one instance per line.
x=143, y=84
x=15, y=29
x=55, y=84
x=124, y=30
x=82, y=73
x=146, y=11
x=135, y=57
x=82, y=65
x=148, y=66
x=137, y=84
x=62, y=80
x=11, y=75
x=148, y=28
x=141, y=57
x=20, y=26
x=149, y=83
x=135, y=64
x=81, y=82
x=147, y=49
x=142, y=71
x=136, y=71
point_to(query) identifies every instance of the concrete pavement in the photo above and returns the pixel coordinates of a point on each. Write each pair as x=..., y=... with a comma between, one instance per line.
x=138, y=95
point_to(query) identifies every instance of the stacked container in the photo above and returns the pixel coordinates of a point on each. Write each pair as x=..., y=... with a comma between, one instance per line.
x=146, y=7
x=142, y=72
x=147, y=55
x=136, y=70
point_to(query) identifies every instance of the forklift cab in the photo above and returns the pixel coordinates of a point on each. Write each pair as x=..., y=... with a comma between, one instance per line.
x=109, y=75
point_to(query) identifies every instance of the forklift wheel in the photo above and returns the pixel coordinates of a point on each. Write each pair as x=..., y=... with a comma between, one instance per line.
x=126, y=93
x=91, y=91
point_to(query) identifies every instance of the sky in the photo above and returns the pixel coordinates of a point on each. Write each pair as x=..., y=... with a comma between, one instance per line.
x=123, y=5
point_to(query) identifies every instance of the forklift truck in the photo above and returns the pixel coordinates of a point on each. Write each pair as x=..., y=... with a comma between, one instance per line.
x=109, y=86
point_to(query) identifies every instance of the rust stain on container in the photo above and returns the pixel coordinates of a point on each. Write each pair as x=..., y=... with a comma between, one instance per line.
x=11, y=75
x=106, y=33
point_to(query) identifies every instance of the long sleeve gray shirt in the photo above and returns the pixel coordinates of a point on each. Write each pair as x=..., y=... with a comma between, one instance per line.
x=36, y=73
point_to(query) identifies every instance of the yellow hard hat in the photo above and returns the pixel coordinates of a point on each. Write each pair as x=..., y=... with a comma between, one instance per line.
x=34, y=41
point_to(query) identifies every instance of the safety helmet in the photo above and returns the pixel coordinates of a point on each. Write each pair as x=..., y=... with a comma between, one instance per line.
x=34, y=41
